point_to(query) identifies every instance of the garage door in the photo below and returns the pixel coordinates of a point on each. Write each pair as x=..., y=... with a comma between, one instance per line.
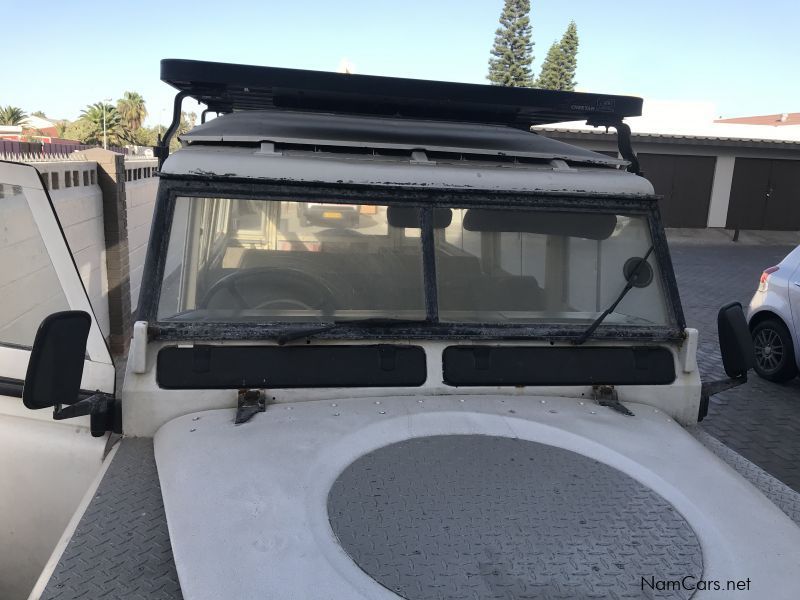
x=765, y=194
x=685, y=182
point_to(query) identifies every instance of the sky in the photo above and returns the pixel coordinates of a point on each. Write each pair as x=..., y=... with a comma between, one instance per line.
x=740, y=55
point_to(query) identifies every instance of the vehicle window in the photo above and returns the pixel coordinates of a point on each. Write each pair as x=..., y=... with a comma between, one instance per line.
x=29, y=287
x=506, y=266
x=276, y=261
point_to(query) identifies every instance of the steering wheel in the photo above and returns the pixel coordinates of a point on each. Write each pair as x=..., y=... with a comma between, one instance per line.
x=286, y=288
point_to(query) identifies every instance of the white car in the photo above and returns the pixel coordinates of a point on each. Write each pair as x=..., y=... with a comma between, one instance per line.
x=775, y=331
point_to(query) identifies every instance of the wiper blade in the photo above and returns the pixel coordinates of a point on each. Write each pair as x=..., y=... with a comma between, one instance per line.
x=307, y=332
x=632, y=279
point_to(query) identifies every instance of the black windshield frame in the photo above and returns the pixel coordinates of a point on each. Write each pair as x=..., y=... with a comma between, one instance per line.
x=171, y=187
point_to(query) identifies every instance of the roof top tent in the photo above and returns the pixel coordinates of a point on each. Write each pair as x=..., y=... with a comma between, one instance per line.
x=384, y=325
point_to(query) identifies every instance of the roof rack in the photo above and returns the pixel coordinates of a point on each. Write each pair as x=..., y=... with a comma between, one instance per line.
x=227, y=88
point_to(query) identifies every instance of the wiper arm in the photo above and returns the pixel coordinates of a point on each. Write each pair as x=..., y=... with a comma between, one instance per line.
x=632, y=279
x=299, y=333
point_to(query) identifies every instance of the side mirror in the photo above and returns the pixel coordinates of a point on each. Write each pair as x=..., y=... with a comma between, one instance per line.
x=735, y=341
x=738, y=354
x=55, y=371
x=56, y=364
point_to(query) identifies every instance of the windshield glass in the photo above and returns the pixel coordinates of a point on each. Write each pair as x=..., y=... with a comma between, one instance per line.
x=285, y=261
x=276, y=261
x=515, y=265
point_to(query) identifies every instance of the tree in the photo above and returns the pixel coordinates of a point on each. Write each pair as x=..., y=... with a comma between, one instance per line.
x=558, y=68
x=187, y=124
x=131, y=108
x=94, y=115
x=39, y=113
x=61, y=127
x=12, y=115
x=82, y=131
x=512, y=53
x=148, y=136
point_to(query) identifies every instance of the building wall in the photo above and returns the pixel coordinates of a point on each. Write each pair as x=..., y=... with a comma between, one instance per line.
x=80, y=210
x=140, y=191
x=726, y=153
x=29, y=286
x=75, y=190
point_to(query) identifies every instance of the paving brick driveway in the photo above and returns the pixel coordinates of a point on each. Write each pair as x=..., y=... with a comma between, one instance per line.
x=760, y=420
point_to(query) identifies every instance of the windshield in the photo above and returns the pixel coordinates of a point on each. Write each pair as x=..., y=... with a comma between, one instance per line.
x=275, y=261
x=526, y=266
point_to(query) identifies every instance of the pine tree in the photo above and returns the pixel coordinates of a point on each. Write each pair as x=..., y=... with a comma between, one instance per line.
x=550, y=75
x=512, y=53
x=558, y=68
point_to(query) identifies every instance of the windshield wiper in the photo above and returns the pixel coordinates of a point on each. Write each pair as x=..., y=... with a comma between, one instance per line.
x=632, y=280
x=307, y=332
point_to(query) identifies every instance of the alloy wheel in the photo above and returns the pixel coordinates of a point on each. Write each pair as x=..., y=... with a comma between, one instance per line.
x=769, y=349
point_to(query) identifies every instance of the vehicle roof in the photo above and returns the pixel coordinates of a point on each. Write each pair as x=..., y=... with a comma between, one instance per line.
x=312, y=166
x=372, y=132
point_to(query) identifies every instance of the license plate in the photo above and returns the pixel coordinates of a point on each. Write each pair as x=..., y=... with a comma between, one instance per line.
x=331, y=215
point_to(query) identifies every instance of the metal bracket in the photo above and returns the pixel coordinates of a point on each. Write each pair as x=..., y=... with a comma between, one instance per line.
x=248, y=404
x=606, y=395
x=103, y=411
x=710, y=388
x=623, y=140
x=162, y=149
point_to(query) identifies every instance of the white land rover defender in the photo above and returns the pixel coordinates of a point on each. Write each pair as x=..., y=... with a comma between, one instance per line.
x=391, y=344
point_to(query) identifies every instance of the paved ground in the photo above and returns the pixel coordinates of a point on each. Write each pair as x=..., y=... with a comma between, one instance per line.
x=760, y=420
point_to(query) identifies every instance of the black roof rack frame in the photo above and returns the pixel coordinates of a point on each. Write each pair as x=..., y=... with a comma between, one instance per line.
x=227, y=88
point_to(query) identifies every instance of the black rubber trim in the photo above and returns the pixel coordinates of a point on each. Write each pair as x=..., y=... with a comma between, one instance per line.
x=546, y=365
x=234, y=367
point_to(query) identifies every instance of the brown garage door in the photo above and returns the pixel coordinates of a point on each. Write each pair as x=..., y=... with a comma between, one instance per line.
x=765, y=194
x=685, y=182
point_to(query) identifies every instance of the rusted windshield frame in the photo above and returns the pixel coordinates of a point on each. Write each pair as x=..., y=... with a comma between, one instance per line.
x=201, y=186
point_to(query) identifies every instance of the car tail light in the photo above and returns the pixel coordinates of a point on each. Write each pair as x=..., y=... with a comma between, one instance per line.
x=762, y=283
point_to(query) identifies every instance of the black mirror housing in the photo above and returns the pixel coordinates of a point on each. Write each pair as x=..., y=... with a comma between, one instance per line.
x=735, y=341
x=738, y=354
x=56, y=364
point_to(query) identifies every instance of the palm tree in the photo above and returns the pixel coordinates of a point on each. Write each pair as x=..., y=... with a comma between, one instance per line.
x=132, y=110
x=94, y=114
x=12, y=115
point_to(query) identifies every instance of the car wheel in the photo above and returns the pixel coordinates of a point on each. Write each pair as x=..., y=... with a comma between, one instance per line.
x=774, y=351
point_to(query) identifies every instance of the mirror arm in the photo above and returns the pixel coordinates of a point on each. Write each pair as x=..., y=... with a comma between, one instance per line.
x=711, y=388
x=101, y=407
